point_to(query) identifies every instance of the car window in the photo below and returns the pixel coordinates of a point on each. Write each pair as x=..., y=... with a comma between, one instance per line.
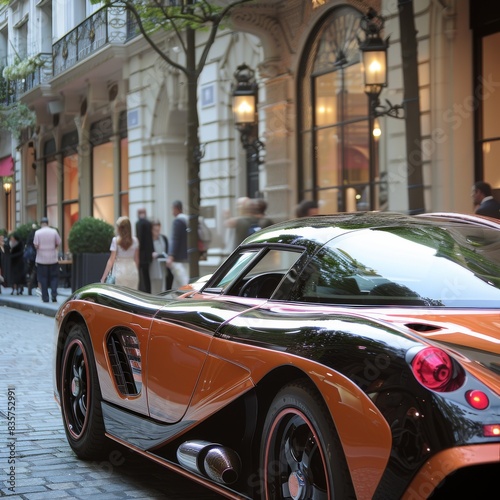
x=261, y=274
x=230, y=271
x=403, y=267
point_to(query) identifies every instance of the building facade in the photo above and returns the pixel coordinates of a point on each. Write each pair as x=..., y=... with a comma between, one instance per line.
x=110, y=133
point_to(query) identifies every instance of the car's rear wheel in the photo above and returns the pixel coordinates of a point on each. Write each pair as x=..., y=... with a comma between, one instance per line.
x=81, y=397
x=301, y=454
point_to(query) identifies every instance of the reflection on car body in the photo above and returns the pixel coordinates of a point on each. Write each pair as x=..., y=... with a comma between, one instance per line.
x=330, y=357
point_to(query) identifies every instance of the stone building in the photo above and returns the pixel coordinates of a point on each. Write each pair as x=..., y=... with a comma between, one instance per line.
x=111, y=115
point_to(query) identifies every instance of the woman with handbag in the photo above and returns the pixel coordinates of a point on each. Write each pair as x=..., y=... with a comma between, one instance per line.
x=123, y=263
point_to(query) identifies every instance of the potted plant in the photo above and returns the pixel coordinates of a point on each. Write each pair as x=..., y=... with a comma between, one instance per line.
x=89, y=240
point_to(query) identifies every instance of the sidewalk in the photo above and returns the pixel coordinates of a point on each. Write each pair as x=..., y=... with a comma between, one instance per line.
x=33, y=302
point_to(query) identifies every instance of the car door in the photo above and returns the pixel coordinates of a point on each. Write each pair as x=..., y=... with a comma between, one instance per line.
x=182, y=331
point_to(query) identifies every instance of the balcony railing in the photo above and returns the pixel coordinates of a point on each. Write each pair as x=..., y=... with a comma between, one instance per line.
x=40, y=75
x=108, y=25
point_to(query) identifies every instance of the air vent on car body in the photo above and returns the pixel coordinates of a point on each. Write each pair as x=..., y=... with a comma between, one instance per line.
x=125, y=358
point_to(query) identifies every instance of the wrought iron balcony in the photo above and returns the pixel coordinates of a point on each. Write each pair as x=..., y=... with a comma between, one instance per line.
x=108, y=25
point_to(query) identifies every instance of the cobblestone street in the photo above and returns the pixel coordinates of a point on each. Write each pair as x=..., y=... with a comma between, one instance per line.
x=36, y=461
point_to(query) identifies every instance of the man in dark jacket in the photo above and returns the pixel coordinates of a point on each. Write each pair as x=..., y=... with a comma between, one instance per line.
x=144, y=233
x=177, y=260
x=483, y=200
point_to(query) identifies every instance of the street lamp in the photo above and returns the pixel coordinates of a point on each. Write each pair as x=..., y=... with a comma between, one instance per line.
x=7, y=187
x=245, y=93
x=374, y=63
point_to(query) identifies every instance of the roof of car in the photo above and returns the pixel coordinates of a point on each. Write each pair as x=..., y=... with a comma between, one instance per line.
x=322, y=228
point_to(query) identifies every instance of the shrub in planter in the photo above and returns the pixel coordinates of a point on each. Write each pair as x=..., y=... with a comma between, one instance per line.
x=90, y=235
x=89, y=240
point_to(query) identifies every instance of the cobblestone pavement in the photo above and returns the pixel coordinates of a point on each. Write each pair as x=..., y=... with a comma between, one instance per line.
x=36, y=461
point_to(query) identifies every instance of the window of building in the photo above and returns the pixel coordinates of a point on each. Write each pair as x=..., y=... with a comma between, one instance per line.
x=490, y=139
x=485, y=23
x=334, y=136
x=70, y=204
x=51, y=183
x=124, y=186
x=103, y=171
x=45, y=16
x=109, y=181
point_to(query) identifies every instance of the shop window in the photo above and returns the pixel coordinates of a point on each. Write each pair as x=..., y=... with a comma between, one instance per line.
x=334, y=140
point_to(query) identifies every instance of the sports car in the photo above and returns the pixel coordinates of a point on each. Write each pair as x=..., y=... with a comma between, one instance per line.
x=347, y=356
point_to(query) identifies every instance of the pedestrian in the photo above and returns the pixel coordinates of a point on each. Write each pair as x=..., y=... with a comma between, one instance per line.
x=251, y=220
x=177, y=260
x=3, y=259
x=123, y=261
x=17, y=268
x=485, y=204
x=307, y=208
x=146, y=249
x=259, y=208
x=30, y=258
x=47, y=242
x=158, y=268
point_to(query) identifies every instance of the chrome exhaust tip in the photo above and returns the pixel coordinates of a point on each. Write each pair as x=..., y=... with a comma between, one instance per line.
x=217, y=462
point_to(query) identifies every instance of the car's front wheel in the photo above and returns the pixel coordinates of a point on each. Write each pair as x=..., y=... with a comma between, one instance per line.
x=301, y=454
x=80, y=397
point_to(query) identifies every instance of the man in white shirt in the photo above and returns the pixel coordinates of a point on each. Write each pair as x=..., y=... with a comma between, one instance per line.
x=47, y=242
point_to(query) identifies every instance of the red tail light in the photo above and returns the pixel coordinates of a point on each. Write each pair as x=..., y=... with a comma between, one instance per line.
x=492, y=430
x=477, y=399
x=433, y=368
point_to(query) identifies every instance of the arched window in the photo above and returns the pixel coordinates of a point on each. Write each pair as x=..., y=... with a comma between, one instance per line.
x=334, y=137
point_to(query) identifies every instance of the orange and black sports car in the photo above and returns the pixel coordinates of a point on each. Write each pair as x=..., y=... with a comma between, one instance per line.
x=334, y=357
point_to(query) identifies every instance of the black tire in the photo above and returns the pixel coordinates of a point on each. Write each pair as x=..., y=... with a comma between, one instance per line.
x=81, y=398
x=301, y=454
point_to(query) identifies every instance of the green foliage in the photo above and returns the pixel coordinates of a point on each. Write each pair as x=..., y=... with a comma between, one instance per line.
x=16, y=117
x=24, y=230
x=154, y=15
x=90, y=235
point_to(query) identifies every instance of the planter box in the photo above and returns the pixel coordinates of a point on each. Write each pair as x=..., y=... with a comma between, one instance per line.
x=87, y=268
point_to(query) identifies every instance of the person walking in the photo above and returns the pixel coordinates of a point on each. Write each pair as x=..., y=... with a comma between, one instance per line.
x=252, y=218
x=47, y=242
x=3, y=260
x=29, y=259
x=145, y=236
x=157, y=268
x=485, y=204
x=123, y=261
x=17, y=267
x=177, y=260
x=307, y=208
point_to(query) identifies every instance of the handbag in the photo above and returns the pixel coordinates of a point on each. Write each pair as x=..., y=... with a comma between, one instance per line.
x=110, y=278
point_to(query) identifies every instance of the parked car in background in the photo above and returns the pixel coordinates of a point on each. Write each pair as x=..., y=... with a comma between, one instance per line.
x=346, y=356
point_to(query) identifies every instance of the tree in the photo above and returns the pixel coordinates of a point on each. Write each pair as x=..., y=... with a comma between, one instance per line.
x=184, y=18
x=16, y=117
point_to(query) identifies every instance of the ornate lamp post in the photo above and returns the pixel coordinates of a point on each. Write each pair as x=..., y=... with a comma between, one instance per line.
x=374, y=54
x=374, y=58
x=245, y=97
x=374, y=63
x=7, y=187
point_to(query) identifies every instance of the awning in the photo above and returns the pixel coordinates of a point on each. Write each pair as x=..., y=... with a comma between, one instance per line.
x=6, y=165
